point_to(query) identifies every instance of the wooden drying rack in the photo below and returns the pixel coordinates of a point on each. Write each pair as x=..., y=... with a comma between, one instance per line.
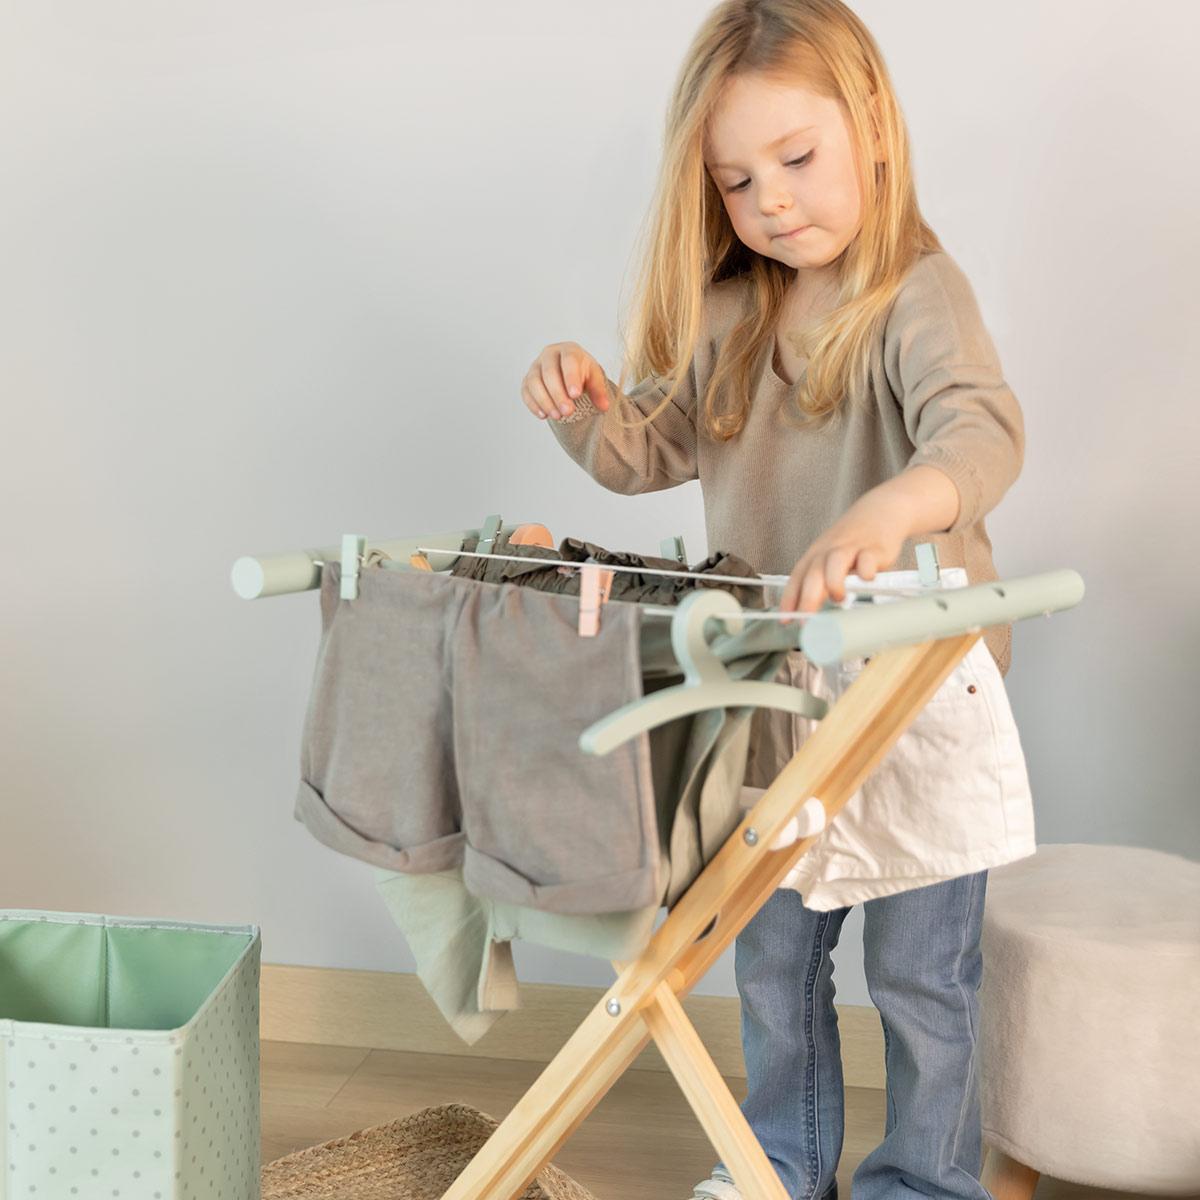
x=913, y=644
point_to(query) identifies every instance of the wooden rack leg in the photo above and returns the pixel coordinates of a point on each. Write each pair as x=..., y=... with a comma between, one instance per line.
x=557, y=1102
x=711, y=1100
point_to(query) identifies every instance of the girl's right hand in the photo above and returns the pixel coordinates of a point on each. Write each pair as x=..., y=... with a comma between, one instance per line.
x=558, y=377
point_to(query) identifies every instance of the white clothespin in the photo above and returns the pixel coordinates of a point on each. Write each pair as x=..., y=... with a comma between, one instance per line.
x=353, y=547
x=810, y=820
x=928, y=572
x=595, y=583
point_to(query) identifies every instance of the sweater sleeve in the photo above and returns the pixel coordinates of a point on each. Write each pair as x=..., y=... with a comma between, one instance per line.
x=657, y=455
x=943, y=368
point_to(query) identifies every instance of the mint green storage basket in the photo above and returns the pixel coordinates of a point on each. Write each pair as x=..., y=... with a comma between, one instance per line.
x=129, y=1058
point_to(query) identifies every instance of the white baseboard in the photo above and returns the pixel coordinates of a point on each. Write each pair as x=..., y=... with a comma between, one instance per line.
x=386, y=1010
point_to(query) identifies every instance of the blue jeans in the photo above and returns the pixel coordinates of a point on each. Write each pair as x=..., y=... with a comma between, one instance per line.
x=923, y=967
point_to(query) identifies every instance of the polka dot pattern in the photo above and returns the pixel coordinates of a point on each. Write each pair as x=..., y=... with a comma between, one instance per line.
x=138, y=1114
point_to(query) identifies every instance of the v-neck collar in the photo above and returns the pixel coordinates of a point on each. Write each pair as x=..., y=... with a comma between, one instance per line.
x=777, y=379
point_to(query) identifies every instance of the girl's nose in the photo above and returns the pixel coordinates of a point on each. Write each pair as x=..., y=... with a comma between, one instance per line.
x=775, y=202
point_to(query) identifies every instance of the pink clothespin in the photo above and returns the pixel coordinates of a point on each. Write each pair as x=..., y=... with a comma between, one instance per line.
x=595, y=583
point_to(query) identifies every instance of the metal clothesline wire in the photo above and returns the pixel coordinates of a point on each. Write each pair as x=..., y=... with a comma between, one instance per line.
x=657, y=610
x=750, y=580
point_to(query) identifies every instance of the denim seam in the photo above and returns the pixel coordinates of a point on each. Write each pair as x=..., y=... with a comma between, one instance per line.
x=962, y=950
x=889, y=1096
x=814, y=1128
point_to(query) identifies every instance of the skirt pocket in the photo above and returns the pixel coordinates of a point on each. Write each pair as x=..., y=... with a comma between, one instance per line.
x=936, y=797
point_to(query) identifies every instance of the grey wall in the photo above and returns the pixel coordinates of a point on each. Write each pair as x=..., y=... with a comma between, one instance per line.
x=264, y=264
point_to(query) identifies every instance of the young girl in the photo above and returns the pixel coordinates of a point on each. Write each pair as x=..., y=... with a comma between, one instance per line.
x=811, y=354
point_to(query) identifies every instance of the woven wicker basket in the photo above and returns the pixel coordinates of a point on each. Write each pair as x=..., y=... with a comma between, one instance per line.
x=415, y=1158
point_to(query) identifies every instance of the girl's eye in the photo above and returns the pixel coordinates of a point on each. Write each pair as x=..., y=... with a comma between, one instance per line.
x=796, y=162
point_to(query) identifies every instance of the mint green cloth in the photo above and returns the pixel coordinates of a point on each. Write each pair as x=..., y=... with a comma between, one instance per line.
x=462, y=943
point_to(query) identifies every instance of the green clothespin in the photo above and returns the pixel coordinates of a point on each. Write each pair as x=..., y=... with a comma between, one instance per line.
x=928, y=572
x=672, y=547
x=488, y=534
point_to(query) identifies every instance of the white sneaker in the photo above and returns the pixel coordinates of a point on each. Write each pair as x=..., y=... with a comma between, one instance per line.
x=719, y=1186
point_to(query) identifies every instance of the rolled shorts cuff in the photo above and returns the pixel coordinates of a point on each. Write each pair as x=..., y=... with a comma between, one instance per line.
x=486, y=876
x=327, y=827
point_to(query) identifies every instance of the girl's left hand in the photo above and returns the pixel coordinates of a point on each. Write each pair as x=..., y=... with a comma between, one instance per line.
x=867, y=538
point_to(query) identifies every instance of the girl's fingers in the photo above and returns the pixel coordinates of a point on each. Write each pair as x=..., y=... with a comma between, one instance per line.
x=811, y=586
x=791, y=590
x=578, y=371
x=812, y=590
x=582, y=373
x=572, y=372
x=537, y=389
x=813, y=579
x=837, y=567
x=529, y=404
x=555, y=389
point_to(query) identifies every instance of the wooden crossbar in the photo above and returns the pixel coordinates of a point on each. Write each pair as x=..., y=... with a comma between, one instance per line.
x=644, y=1000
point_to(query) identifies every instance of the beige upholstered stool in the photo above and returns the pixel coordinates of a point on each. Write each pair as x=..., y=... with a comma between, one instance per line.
x=1090, y=1021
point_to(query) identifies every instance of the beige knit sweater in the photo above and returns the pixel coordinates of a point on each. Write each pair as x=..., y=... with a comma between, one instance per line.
x=937, y=396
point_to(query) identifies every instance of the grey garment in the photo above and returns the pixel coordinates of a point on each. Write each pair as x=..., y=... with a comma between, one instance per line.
x=697, y=761
x=443, y=728
x=626, y=585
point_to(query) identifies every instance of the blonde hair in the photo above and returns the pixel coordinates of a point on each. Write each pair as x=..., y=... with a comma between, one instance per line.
x=822, y=45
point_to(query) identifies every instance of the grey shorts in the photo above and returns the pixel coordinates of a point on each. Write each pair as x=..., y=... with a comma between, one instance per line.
x=442, y=731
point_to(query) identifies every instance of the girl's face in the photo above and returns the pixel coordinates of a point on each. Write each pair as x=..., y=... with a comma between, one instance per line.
x=782, y=159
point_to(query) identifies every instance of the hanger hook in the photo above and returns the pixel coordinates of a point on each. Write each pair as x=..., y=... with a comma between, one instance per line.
x=700, y=664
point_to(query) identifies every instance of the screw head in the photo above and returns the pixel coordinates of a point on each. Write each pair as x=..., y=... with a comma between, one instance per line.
x=750, y=837
x=614, y=1008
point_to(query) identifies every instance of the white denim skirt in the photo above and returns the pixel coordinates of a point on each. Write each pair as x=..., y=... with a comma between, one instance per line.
x=950, y=798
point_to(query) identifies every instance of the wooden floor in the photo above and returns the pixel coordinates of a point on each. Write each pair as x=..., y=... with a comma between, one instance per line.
x=641, y=1142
